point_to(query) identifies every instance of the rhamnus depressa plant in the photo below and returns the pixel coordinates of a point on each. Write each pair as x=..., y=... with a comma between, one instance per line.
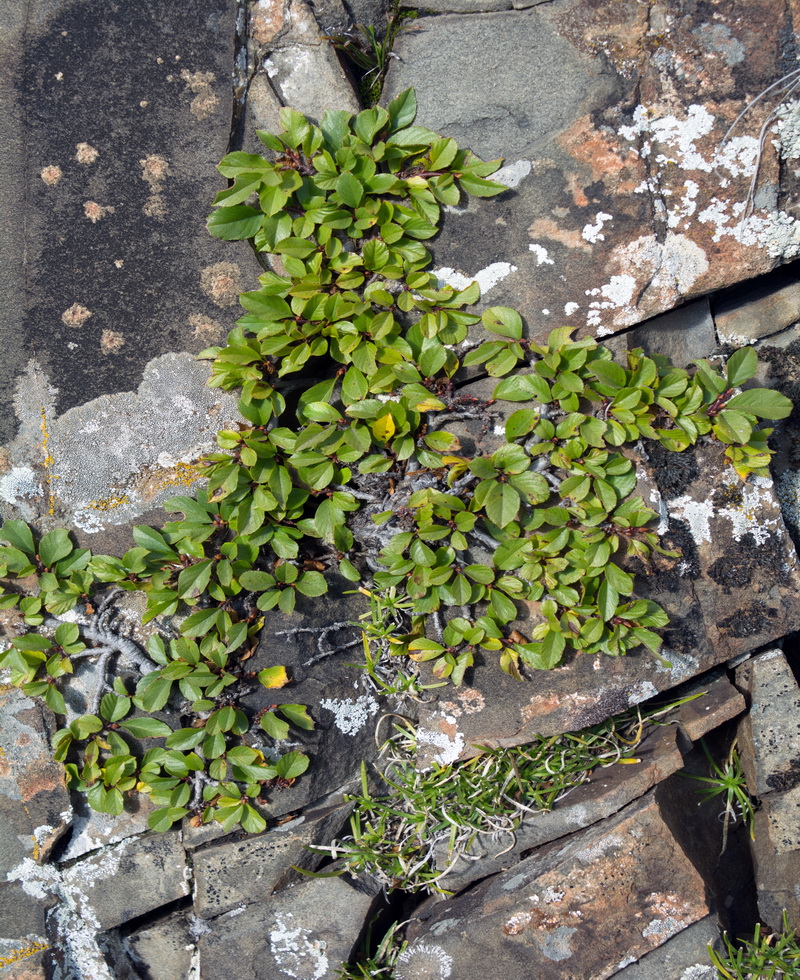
x=350, y=360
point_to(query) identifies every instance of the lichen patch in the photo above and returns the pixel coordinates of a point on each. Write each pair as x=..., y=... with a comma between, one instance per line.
x=222, y=283
x=111, y=341
x=76, y=315
x=205, y=326
x=95, y=212
x=85, y=153
x=205, y=101
x=51, y=175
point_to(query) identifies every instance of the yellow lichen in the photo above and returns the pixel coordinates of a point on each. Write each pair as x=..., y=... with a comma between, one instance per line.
x=23, y=952
x=110, y=502
x=49, y=476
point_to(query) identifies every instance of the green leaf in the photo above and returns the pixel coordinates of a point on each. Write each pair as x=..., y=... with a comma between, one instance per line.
x=193, y=580
x=54, y=546
x=146, y=727
x=162, y=819
x=402, y=110
x=504, y=321
x=349, y=189
x=761, y=402
x=18, y=535
x=235, y=223
x=741, y=366
x=298, y=715
x=274, y=727
x=524, y=388
x=607, y=600
x=292, y=765
x=619, y=581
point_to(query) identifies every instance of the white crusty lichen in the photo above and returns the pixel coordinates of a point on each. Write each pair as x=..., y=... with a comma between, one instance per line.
x=296, y=954
x=423, y=959
x=350, y=715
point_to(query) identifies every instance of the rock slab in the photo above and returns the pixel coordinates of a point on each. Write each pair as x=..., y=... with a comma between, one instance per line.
x=574, y=911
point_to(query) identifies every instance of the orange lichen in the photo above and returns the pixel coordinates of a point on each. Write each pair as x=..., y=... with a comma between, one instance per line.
x=111, y=341
x=94, y=211
x=222, y=283
x=23, y=952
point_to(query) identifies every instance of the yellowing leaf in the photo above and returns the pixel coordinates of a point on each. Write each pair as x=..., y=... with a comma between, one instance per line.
x=384, y=428
x=273, y=677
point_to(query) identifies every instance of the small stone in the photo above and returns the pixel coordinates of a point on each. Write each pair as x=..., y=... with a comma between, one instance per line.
x=769, y=735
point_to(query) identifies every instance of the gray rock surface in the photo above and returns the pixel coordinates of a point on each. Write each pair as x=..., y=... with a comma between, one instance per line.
x=154, y=870
x=35, y=809
x=577, y=908
x=684, y=957
x=247, y=871
x=769, y=735
x=764, y=308
x=306, y=931
x=769, y=743
x=164, y=949
x=625, y=203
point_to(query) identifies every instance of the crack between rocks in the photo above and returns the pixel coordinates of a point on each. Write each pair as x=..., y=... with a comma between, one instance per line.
x=242, y=74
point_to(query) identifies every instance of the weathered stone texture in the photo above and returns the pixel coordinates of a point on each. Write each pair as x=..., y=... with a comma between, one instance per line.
x=573, y=911
x=239, y=873
x=306, y=931
x=605, y=792
x=626, y=201
x=154, y=871
x=35, y=808
x=769, y=735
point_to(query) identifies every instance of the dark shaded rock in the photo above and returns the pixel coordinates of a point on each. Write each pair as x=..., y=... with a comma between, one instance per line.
x=684, y=957
x=575, y=909
x=35, y=808
x=758, y=309
x=118, y=179
x=307, y=931
x=163, y=949
x=22, y=921
x=625, y=204
x=682, y=335
x=320, y=646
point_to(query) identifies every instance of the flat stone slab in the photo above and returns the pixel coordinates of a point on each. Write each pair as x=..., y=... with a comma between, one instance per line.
x=625, y=200
x=154, y=872
x=35, y=809
x=769, y=735
x=238, y=873
x=582, y=908
x=684, y=957
x=305, y=932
